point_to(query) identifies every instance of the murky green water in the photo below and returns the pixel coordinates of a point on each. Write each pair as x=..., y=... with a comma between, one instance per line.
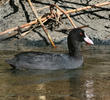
x=91, y=82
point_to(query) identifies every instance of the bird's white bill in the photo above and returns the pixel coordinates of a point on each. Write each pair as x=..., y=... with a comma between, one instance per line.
x=88, y=40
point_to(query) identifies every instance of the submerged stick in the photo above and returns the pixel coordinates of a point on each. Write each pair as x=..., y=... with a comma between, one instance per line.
x=43, y=27
x=49, y=16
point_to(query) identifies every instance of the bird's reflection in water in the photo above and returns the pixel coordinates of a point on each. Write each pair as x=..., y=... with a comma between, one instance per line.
x=50, y=85
x=89, y=82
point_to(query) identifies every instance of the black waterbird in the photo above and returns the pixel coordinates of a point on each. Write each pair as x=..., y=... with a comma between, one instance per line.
x=53, y=61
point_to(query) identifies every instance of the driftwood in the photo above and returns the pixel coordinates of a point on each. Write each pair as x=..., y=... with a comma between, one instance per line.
x=51, y=16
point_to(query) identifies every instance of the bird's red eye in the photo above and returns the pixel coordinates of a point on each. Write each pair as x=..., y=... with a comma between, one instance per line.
x=81, y=33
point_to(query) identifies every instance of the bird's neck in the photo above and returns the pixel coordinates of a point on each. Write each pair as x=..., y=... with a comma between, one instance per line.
x=74, y=49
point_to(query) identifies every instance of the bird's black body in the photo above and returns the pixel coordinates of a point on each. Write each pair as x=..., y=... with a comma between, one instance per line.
x=38, y=60
x=51, y=61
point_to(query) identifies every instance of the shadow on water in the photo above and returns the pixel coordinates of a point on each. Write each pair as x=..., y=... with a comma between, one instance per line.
x=49, y=84
x=46, y=75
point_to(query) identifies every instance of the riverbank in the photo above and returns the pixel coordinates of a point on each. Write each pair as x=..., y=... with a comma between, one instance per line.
x=18, y=13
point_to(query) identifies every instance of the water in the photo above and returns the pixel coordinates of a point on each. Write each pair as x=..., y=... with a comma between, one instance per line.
x=91, y=82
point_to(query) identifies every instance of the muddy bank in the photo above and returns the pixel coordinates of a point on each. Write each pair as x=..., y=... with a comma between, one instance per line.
x=16, y=13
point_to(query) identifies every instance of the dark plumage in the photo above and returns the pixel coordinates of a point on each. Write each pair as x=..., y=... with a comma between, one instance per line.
x=51, y=61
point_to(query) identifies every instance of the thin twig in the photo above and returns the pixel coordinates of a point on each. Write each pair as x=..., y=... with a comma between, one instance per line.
x=25, y=33
x=88, y=7
x=69, y=29
x=49, y=16
x=66, y=15
x=43, y=27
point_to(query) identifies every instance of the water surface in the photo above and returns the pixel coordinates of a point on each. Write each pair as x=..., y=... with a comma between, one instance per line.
x=90, y=82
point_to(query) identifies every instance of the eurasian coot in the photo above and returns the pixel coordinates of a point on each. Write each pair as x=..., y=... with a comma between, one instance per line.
x=53, y=61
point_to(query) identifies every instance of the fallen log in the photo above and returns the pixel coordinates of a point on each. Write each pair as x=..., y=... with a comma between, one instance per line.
x=49, y=16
